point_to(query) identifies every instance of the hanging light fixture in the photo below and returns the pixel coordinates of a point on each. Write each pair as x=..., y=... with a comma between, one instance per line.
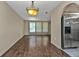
x=32, y=11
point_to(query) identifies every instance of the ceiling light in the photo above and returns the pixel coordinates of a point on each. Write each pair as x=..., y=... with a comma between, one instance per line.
x=32, y=11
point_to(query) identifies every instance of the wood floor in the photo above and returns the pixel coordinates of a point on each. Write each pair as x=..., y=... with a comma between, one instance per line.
x=34, y=46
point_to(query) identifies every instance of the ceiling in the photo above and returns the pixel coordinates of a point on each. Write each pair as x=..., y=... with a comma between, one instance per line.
x=44, y=6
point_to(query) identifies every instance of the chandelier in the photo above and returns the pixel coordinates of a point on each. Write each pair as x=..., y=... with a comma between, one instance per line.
x=32, y=11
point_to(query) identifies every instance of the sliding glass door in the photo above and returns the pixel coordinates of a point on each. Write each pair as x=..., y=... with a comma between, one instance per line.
x=38, y=26
x=32, y=26
x=45, y=26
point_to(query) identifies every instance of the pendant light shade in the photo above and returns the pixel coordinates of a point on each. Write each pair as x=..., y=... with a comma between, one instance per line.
x=32, y=11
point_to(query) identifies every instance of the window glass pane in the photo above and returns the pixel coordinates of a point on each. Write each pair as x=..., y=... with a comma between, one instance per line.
x=45, y=26
x=32, y=26
x=38, y=27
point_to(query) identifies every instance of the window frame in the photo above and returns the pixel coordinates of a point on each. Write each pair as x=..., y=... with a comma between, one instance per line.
x=41, y=26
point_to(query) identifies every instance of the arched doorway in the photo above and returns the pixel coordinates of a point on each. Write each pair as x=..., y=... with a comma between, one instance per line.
x=70, y=26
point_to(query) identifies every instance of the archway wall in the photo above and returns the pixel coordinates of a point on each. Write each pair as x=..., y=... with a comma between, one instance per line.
x=56, y=23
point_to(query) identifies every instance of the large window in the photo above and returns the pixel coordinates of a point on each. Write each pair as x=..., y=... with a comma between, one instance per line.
x=32, y=26
x=38, y=26
x=45, y=26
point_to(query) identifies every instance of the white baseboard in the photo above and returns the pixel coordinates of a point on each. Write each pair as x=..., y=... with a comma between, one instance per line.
x=11, y=45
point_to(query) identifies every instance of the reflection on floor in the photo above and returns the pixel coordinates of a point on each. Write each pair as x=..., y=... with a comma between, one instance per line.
x=34, y=46
x=72, y=52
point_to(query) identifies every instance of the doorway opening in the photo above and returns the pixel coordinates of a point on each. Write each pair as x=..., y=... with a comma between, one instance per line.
x=70, y=26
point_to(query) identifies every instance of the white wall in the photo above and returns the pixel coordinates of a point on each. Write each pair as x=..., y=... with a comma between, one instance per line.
x=11, y=27
x=56, y=24
x=26, y=31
